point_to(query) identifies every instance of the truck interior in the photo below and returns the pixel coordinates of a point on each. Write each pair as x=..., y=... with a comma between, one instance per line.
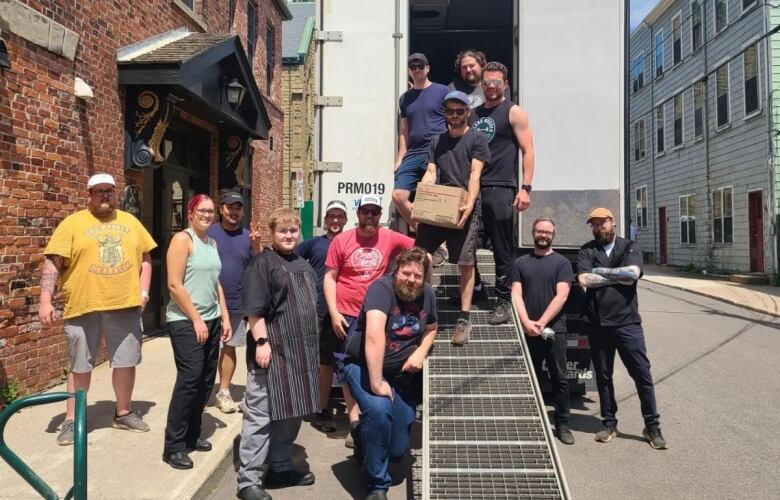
x=440, y=29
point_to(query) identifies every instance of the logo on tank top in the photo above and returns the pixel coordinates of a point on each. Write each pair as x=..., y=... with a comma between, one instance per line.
x=475, y=100
x=366, y=261
x=487, y=126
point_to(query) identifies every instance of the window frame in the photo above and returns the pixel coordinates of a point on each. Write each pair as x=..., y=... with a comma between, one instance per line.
x=727, y=123
x=746, y=8
x=721, y=201
x=675, y=144
x=640, y=78
x=656, y=45
x=703, y=85
x=270, y=57
x=251, y=38
x=715, y=16
x=686, y=219
x=640, y=153
x=701, y=25
x=640, y=202
x=750, y=114
x=677, y=16
x=660, y=145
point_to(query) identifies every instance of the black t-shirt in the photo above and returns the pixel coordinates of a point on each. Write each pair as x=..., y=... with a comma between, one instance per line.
x=265, y=288
x=405, y=327
x=539, y=276
x=453, y=155
x=315, y=251
x=614, y=305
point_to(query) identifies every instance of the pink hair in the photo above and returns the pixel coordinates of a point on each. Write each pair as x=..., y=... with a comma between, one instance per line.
x=196, y=200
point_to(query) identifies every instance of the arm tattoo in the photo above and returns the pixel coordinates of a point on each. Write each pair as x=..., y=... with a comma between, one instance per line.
x=51, y=274
x=593, y=280
x=630, y=273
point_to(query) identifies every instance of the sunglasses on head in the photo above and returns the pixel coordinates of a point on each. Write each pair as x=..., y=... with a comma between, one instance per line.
x=414, y=66
x=454, y=111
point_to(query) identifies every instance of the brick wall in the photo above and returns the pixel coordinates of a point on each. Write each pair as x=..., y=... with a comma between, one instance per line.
x=50, y=142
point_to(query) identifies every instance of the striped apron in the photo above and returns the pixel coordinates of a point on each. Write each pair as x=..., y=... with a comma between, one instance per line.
x=293, y=375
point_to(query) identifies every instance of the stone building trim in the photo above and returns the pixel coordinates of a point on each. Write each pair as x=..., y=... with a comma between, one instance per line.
x=29, y=24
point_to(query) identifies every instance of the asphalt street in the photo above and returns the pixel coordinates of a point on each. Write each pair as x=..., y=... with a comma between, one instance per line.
x=716, y=372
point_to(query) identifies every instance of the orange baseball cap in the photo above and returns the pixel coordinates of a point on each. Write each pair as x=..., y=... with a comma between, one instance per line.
x=600, y=213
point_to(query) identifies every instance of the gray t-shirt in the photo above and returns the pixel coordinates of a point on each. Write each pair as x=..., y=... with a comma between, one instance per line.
x=453, y=155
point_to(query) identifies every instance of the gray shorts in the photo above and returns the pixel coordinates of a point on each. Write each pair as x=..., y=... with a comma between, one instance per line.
x=238, y=324
x=122, y=330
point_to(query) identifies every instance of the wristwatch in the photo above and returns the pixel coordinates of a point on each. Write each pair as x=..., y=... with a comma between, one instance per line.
x=527, y=188
x=261, y=341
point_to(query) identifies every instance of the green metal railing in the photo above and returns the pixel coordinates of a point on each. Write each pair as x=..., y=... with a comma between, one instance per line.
x=79, y=489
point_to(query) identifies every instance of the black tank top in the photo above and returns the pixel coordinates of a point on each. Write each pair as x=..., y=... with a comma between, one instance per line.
x=504, y=148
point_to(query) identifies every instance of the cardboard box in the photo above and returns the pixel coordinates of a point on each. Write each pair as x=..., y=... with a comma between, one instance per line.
x=438, y=205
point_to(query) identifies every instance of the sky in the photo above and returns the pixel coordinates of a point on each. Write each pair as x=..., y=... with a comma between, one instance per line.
x=639, y=9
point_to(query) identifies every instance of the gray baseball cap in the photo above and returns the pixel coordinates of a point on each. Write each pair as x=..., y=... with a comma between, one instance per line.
x=456, y=95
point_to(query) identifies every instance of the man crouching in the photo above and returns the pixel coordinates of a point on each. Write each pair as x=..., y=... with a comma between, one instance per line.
x=395, y=331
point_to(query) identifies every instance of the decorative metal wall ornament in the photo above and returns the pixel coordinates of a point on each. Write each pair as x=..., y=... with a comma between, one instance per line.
x=147, y=118
x=131, y=200
x=236, y=157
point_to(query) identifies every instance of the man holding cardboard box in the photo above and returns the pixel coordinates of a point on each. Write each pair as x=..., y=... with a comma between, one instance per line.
x=456, y=158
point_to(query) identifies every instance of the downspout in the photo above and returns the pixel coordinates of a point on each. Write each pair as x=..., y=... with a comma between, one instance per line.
x=627, y=119
x=653, y=214
x=771, y=190
x=706, y=125
x=318, y=85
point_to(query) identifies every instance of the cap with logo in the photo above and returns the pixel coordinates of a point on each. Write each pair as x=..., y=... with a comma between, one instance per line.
x=100, y=179
x=600, y=213
x=230, y=197
x=369, y=199
x=456, y=95
x=418, y=57
x=337, y=204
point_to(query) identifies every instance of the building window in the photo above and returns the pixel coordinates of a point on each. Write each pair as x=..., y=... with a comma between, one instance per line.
x=750, y=76
x=251, y=32
x=722, y=218
x=676, y=38
x=722, y=96
x=190, y=4
x=659, y=53
x=697, y=25
x=639, y=139
x=688, y=219
x=641, y=207
x=659, y=129
x=270, y=62
x=721, y=9
x=698, y=109
x=746, y=4
x=678, y=119
x=638, y=74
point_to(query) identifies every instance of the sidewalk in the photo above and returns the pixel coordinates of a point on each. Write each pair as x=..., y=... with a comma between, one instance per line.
x=122, y=464
x=760, y=298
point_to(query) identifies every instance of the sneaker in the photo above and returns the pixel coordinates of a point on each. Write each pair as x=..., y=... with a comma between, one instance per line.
x=323, y=421
x=655, y=438
x=440, y=256
x=130, y=422
x=501, y=314
x=564, y=434
x=606, y=433
x=462, y=332
x=349, y=441
x=65, y=437
x=288, y=478
x=377, y=495
x=225, y=403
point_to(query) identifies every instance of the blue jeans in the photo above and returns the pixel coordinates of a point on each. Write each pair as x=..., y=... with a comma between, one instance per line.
x=383, y=434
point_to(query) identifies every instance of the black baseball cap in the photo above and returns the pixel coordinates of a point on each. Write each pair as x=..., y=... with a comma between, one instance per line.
x=232, y=197
x=418, y=57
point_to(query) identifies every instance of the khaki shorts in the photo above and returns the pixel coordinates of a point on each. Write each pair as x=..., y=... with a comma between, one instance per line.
x=122, y=330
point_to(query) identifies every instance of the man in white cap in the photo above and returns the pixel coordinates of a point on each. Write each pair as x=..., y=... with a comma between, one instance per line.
x=315, y=251
x=357, y=258
x=102, y=256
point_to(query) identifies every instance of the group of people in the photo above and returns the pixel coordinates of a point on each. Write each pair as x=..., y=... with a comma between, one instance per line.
x=353, y=302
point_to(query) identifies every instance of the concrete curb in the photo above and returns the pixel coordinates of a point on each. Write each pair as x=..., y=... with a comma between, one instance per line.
x=210, y=485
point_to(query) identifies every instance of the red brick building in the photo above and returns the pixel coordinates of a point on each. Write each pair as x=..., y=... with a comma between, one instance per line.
x=142, y=90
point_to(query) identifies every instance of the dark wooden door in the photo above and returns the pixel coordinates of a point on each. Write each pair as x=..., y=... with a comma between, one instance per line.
x=662, y=235
x=756, y=231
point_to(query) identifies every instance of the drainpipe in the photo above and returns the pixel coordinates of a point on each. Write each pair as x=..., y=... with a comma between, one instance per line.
x=627, y=150
x=654, y=213
x=769, y=146
x=710, y=238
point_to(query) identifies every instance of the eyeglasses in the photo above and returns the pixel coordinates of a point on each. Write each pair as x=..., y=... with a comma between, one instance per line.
x=452, y=112
x=204, y=211
x=415, y=66
x=600, y=223
x=370, y=211
x=335, y=216
x=544, y=233
x=492, y=83
x=103, y=192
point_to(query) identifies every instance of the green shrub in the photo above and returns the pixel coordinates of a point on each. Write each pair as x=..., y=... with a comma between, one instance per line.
x=11, y=391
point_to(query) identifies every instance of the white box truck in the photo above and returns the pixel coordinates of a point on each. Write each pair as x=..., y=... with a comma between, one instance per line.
x=567, y=69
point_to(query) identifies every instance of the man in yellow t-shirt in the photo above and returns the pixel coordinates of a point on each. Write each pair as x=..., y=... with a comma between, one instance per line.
x=102, y=256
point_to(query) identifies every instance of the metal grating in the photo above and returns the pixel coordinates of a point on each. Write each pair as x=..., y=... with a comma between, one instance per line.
x=480, y=333
x=507, y=349
x=476, y=366
x=483, y=407
x=497, y=486
x=454, y=279
x=476, y=386
x=448, y=318
x=490, y=456
x=486, y=430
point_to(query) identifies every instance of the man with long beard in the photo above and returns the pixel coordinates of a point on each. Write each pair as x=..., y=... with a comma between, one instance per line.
x=356, y=258
x=608, y=268
x=540, y=286
x=394, y=333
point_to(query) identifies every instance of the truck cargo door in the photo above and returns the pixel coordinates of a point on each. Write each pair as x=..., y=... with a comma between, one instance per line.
x=361, y=57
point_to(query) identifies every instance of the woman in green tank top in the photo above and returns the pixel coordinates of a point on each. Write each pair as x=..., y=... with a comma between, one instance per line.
x=197, y=318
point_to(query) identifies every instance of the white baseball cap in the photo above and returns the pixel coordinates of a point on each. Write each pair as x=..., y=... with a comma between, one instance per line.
x=369, y=199
x=336, y=204
x=100, y=179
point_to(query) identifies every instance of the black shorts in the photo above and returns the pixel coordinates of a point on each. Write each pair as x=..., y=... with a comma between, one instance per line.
x=461, y=243
x=329, y=341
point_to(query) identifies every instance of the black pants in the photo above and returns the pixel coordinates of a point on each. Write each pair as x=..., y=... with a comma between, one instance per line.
x=196, y=368
x=498, y=217
x=629, y=342
x=553, y=351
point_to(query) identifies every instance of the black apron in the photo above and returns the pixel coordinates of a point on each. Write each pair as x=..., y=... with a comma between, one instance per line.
x=293, y=375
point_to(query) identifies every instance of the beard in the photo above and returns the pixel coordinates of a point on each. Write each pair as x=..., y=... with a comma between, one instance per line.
x=456, y=122
x=368, y=226
x=408, y=292
x=542, y=242
x=102, y=209
x=604, y=236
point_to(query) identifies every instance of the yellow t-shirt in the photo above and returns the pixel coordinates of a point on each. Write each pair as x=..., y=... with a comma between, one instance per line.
x=103, y=261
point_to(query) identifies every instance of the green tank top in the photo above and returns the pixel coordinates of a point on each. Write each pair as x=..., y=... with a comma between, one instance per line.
x=200, y=280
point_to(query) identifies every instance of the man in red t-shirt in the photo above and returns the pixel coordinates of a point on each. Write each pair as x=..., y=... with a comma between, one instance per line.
x=356, y=258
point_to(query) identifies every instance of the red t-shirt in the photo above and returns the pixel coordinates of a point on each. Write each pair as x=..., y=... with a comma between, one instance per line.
x=360, y=261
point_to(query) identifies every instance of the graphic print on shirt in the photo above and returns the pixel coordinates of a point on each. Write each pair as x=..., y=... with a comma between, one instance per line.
x=365, y=261
x=110, y=253
x=405, y=324
x=487, y=126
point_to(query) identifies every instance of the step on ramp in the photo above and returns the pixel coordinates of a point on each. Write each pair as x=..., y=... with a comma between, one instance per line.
x=485, y=432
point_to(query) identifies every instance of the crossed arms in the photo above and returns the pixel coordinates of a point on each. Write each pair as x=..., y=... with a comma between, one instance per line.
x=600, y=277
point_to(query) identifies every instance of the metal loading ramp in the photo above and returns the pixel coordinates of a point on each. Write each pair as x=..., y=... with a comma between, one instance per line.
x=485, y=433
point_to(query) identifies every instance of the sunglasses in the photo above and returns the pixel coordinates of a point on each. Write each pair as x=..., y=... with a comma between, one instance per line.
x=370, y=211
x=415, y=66
x=452, y=112
x=492, y=83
